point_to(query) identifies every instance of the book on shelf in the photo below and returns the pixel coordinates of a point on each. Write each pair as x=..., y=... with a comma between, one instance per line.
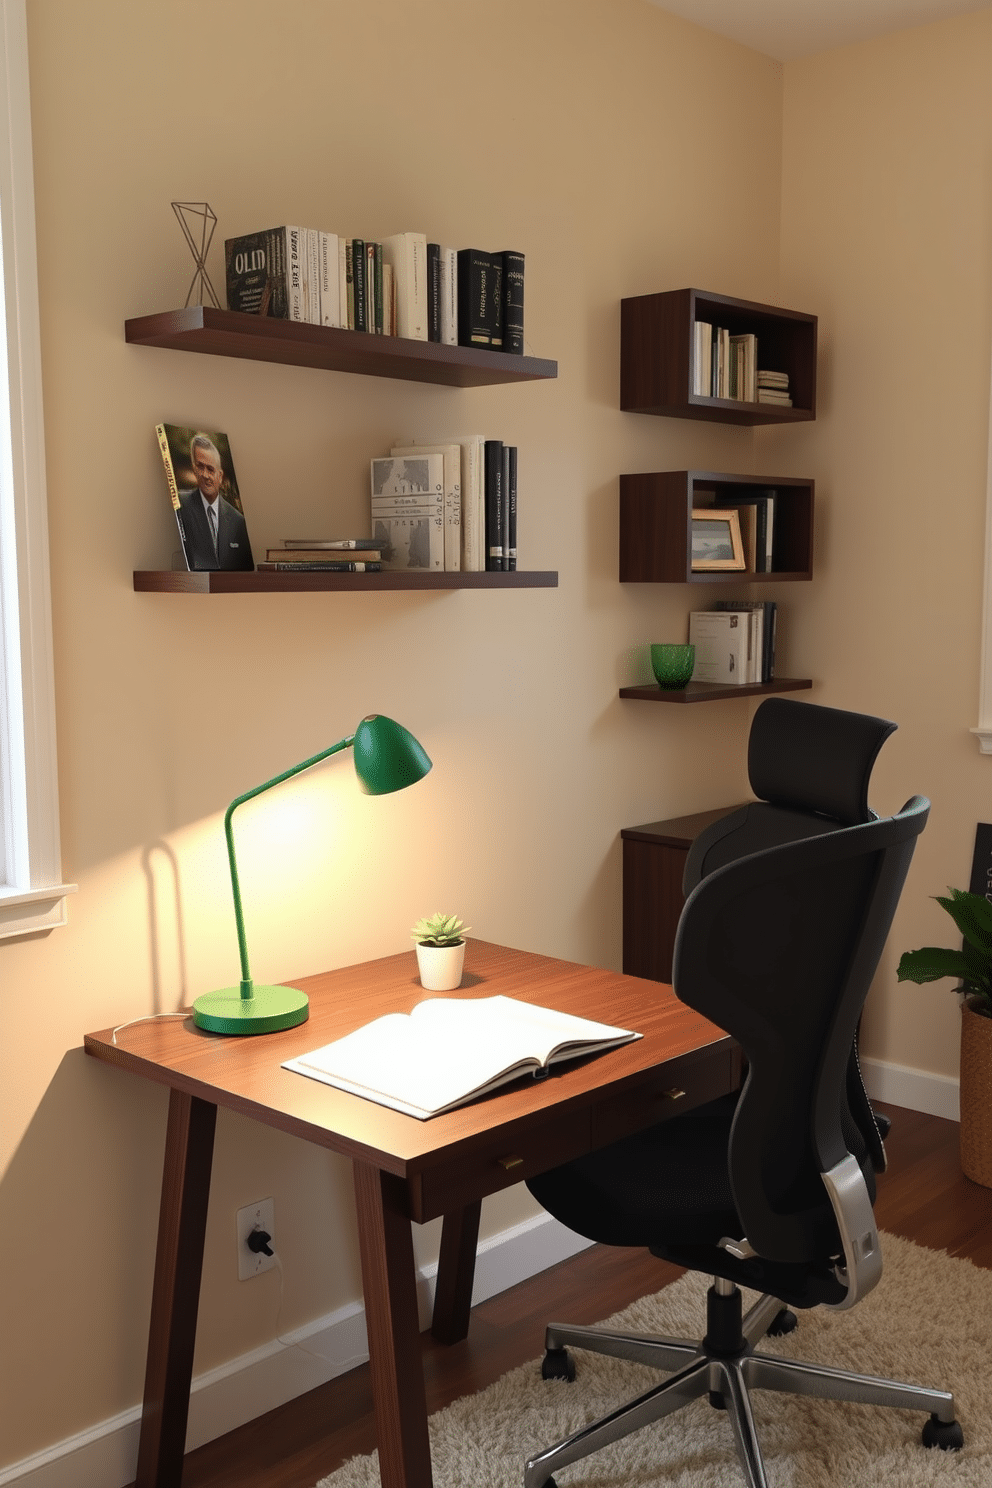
x=513, y=301
x=496, y=302
x=702, y=359
x=475, y=290
x=452, y=457
x=318, y=566
x=358, y=305
x=764, y=612
x=743, y=373
x=773, y=387
x=407, y=509
x=510, y=549
x=756, y=512
x=256, y=273
x=723, y=643
x=449, y=1051
x=203, y=489
x=448, y=275
x=323, y=555
x=434, y=292
x=494, y=505
x=473, y=532
x=406, y=253
x=327, y=542
x=330, y=286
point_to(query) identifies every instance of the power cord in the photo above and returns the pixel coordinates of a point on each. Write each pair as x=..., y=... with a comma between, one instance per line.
x=148, y=1018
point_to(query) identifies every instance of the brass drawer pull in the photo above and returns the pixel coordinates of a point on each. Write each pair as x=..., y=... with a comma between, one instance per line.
x=673, y=1094
x=510, y=1162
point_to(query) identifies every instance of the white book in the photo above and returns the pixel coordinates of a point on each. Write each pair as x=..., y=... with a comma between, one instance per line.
x=449, y=296
x=473, y=448
x=311, y=274
x=330, y=287
x=721, y=641
x=343, y=282
x=702, y=360
x=407, y=509
x=451, y=1050
x=388, y=301
x=451, y=454
x=406, y=253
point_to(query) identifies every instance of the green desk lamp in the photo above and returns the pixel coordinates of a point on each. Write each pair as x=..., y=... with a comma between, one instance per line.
x=387, y=758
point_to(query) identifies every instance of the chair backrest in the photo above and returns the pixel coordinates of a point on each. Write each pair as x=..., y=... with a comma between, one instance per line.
x=779, y=948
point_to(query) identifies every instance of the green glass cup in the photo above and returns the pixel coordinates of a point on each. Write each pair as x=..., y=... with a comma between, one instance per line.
x=672, y=665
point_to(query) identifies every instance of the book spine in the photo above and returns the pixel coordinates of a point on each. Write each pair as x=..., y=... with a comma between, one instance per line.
x=294, y=273
x=434, y=292
x=474, y=298
x=274, y=566
x=505, y=511
x=513, y=302
x=388, y=300
x=343, y=283
x=449, y=297
x=371, y=323
x=496, y=301
x=313, y=276
x=330, y=298
x=358, y=276
x=494, y=505
x=473, y=505
x=170, y=474
x=380, y=303
x=510, y=552
x=407, y=252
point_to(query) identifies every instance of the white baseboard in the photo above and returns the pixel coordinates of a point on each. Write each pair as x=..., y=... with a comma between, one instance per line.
x=105, y=1455
x=917, y=1090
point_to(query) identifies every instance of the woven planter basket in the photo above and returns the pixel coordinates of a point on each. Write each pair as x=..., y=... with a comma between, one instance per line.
x=976, y=1097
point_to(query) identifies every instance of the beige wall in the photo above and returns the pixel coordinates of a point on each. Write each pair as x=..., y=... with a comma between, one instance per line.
x=887, y=236
x=603, y=138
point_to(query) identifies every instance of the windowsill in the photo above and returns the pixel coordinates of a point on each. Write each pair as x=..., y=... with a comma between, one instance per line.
x=26, y=912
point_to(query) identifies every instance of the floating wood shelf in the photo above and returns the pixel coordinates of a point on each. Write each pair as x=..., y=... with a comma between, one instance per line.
x=251, y=582
x=294, y=343
x=713, y=692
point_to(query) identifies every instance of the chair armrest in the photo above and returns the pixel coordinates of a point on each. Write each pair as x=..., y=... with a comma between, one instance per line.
x=851, y=1203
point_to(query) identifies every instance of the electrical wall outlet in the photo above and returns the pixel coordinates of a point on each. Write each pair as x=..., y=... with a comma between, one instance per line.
x=260, y=1216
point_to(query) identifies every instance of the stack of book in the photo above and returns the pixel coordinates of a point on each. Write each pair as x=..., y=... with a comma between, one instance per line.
x=734, y=641
x=403, y=286
x=446, y=507
x=773, y=387
x=323, y=555
x=724, y=365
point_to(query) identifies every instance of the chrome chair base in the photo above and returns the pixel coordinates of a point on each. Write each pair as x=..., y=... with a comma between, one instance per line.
x=728, y=1379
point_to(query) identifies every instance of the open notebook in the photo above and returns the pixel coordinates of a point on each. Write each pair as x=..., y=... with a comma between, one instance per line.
x=450, y=1050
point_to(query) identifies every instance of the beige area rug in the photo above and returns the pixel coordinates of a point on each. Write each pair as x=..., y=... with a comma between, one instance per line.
x=929, y=1322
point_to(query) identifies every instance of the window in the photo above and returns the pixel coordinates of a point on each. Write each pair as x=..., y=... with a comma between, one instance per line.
x=32, y=895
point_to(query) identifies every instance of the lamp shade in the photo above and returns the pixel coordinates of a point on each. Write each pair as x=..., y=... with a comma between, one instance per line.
x=387, y=756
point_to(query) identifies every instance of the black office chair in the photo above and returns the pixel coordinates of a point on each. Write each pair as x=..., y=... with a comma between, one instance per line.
x=772, y=1188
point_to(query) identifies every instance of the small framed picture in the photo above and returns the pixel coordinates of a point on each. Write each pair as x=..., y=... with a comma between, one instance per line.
x=716, y=539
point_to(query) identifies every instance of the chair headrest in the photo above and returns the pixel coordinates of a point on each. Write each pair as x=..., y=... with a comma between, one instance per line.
x=811, y=758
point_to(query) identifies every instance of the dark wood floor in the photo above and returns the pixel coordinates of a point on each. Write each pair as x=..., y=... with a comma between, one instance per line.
x=923, y=1197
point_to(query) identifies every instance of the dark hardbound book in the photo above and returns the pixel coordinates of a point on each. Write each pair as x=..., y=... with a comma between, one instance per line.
x=203, y=489
x=474, y=297
x=433, y=291
x=255, y=270
x=274, y=566
x=359, y=272
x=378, y=296
x=981, y=862
x=496, y=302
x=494, y=505
x=513, y=302
x=510, y=551
x=504, y=524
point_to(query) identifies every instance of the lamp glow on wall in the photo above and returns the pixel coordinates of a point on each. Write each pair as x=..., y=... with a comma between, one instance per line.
x=387, y=758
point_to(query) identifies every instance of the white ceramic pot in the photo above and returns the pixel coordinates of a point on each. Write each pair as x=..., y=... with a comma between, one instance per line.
x=440, y=966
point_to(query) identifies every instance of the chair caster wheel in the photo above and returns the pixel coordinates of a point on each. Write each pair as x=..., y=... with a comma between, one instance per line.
x=784, y=1322
x=557, y=1364
x=947, y=1435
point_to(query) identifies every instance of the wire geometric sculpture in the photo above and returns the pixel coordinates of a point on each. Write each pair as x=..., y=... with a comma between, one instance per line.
x=197, y=218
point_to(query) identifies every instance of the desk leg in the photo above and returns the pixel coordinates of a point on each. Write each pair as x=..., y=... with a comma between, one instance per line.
x=390, y=1287
x=455, y=1274
x=189, y=1146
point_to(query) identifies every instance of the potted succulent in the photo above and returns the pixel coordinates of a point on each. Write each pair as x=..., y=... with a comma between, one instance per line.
x=440, y=951
x=972, y=966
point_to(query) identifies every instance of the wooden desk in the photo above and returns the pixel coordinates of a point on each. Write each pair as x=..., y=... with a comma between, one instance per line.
x=405, y=1170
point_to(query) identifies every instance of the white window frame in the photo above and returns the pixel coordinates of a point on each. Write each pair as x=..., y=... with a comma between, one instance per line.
x=32, y=894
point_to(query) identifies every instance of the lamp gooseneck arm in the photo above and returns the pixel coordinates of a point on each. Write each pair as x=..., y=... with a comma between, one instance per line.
x=246, y=981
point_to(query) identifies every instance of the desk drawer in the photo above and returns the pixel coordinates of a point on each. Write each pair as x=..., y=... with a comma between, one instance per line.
x=497, y=1162
x=684, y=1083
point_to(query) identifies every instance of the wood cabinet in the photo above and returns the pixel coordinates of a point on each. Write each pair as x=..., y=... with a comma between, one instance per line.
x=656, y=356
x=654, y=858
x=656, y=525
x=201, y=328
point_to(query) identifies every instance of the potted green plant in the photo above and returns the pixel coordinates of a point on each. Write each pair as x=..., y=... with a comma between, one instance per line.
x=972, y=968
x=440, y=951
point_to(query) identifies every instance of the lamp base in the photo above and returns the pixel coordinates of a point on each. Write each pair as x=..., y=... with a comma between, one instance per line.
x=266, y=1011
